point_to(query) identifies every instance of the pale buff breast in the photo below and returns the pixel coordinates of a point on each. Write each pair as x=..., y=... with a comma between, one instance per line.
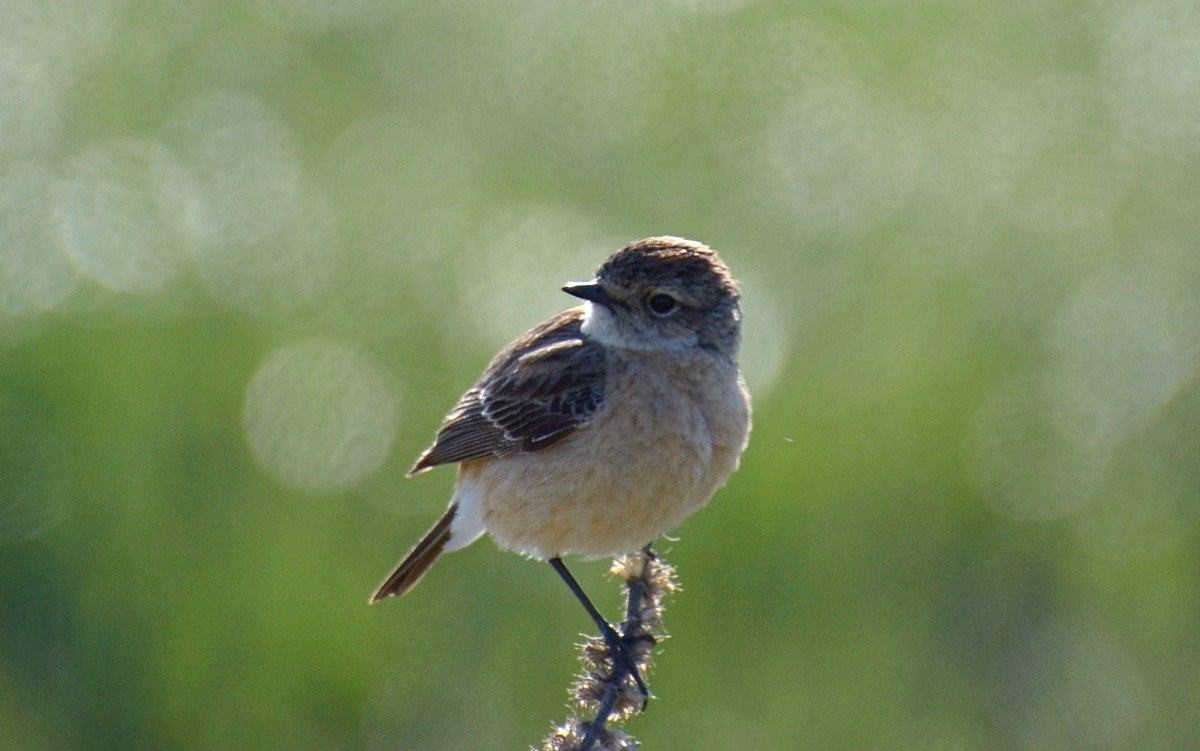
x=670, y=434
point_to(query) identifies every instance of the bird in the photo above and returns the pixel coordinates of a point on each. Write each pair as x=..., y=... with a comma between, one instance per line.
x=602, y=428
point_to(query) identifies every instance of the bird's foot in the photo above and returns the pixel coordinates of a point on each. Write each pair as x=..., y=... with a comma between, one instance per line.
x=624, y=649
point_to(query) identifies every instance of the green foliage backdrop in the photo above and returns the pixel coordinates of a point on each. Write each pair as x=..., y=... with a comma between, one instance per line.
x=251, y=251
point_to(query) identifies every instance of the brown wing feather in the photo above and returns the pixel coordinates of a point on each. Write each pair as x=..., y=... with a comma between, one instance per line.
x=540, y=389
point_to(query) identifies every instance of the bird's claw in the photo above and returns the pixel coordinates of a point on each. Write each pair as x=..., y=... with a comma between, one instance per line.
x=621, y=646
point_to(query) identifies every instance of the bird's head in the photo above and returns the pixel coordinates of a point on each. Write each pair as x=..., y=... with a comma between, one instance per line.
x=663, y=293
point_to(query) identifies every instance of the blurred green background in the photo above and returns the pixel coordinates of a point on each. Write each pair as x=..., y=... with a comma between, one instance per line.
x=250, y=252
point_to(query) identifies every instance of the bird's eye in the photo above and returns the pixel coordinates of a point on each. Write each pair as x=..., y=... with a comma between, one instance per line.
x=662, y=304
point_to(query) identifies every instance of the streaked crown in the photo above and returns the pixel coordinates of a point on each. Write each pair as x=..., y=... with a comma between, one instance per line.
x=686, y=265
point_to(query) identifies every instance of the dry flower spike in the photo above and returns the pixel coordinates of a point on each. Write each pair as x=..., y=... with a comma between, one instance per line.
x=609, y=686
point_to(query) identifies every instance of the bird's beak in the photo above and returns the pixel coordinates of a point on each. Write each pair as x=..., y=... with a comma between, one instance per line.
x=590, y=291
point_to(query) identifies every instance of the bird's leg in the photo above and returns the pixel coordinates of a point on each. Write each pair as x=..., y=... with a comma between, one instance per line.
x=615, y=642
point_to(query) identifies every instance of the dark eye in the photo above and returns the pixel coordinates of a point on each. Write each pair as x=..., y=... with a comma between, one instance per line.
x=662, y=304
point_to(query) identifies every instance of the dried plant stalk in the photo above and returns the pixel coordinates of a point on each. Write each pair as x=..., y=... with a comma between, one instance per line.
x=607, y=688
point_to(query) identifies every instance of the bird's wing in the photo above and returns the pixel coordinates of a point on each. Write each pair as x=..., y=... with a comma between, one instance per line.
x=540, y=389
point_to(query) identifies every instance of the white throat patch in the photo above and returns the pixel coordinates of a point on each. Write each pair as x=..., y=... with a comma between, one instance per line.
x=598, y=323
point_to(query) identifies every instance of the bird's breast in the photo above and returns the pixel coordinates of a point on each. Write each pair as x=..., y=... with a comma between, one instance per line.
x=658, y=450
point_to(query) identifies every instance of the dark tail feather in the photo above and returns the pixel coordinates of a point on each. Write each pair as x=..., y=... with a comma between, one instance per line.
x=418, y=560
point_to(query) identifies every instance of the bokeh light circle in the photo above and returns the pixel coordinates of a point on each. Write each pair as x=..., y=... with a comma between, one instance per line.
x=117, y=222
x=840, y=158
x=267, y=233
x=1121, y=346
x=30, y=105
x=43, y=47
x=35, y=276
x=1150, y=59
x=319, y=416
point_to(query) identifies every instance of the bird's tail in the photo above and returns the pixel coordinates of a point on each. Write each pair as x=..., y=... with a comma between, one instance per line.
x=419, y=559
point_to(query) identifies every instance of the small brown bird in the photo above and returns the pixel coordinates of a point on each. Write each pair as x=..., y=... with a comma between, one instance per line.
x=603, y=427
